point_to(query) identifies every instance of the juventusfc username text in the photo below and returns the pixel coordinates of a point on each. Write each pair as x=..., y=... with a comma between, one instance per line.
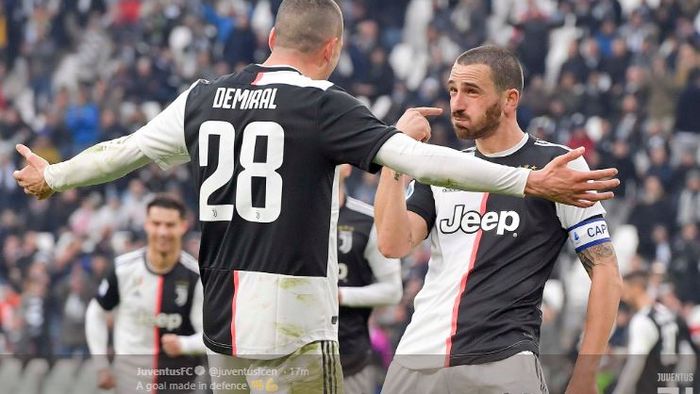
x=222, y=372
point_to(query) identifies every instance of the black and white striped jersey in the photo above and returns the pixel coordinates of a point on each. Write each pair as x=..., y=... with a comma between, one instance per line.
x=656, y=333
x=366, y=279
x=148, y=305
x=491, y=256
x=264, y=144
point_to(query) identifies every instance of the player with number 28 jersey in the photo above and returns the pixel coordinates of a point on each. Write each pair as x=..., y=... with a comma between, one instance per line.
x=264, y=144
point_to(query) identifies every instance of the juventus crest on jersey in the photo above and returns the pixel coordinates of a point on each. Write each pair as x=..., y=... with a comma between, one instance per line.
x=264, y=144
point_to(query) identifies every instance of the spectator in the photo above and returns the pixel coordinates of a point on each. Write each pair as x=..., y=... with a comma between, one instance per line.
x=662, y=91
x=615, y=65
x=687, y=116
x=82, y=119
x=651, y=210
x=685, y=266
x=660, y=167
x=534, y=25
x=689, y=200
x=73, y=295
x=34, y=314
x=575, y=63
x=630, y=77
x=9, y=193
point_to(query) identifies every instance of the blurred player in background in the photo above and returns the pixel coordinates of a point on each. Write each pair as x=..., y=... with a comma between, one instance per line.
x=264, y=144
x=478, y=313
x=657, y=338
x=366, y=279
x=155, y=297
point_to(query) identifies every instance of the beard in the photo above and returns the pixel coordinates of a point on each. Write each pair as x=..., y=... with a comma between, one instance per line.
x=485, y=127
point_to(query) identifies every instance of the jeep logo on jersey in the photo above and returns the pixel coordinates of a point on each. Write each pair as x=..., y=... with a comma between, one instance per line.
x=169, y=321
x=472, y=221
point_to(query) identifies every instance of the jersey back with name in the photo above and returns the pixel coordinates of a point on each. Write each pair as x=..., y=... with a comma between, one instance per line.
x=264, y=144
x=491, y=257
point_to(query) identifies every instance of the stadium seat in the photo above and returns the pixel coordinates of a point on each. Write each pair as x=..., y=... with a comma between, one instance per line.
x=86, y=381
x=61, y=377
x=625, y=241
x=33, y=377
x=10, y=372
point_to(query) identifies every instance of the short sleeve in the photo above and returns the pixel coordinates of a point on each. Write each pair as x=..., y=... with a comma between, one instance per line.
x=570, y=216
x=643, y=335
x=163, y=138
x=350, y=133
x=586, y=226
x=108, y=292
x=421, y=201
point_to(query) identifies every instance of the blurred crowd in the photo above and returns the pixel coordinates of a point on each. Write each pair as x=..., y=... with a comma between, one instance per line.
x=619, y=77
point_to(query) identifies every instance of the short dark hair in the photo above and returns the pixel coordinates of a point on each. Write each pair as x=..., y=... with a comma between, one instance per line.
x=637, y=277
x=305, y=25
x=506, y=71
x=169, y=202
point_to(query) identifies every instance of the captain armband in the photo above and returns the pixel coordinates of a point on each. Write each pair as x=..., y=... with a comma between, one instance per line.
x=590, y=232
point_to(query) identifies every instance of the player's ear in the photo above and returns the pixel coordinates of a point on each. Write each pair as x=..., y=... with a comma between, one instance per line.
x=329, y=49
x=512, y=99
x=184, y=226
x=272, y=38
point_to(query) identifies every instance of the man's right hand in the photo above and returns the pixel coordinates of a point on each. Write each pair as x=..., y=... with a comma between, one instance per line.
x=413, y=122
x=557, y=182
x=105, y=379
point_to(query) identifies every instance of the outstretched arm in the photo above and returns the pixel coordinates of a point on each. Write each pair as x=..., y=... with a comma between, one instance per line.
x=161, y=140
x=447, y=167
x=98, y=164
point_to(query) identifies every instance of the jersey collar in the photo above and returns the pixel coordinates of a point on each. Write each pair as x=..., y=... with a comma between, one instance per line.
x=278, y=67
x=150, y=269
x=510, y=150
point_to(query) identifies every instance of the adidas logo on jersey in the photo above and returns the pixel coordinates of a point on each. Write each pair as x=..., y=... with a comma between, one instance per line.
x=472, y=221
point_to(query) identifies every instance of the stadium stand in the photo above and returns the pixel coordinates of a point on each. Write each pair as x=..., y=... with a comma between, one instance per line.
x=620, y=77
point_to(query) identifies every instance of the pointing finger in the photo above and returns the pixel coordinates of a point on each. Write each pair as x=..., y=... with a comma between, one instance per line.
x=428, y=111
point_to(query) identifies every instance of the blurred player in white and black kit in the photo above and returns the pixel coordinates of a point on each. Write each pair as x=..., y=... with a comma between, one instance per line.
x=366, y=279
x=476, y=323
x=658, y=342
x=155, y=297
x=263, y=146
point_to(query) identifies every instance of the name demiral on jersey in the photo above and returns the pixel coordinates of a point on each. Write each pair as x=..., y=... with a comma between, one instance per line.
x=232, y=98
x=471, y=221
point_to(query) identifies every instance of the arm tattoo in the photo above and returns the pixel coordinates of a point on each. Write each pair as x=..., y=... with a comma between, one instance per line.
x=593, y=255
